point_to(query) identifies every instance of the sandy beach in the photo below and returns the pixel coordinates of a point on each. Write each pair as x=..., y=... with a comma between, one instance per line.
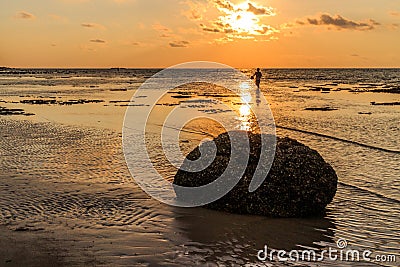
x=68, y=199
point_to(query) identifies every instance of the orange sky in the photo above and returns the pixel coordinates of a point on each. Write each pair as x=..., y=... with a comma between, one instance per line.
x=161, y=33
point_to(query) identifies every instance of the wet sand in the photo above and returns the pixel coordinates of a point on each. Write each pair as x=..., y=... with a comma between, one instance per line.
x=67, y=197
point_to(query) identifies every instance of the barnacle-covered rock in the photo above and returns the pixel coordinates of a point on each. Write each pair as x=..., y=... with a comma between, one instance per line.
x=300, y=183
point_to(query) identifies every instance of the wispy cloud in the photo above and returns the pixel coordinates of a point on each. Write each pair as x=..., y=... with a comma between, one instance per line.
x=163, y=31
x=161, y=28
x=340, y=23
x=194, y=14
x=165, y=35
x=179, y=44
x=88, y=25
x=394, y=26
x=196, y=10
x=93, y=25
x=358, y=57
x=394, y=13
x=268, y=11
x=24, y=15
x=100, y=41
x=87, y=48
x=224, y=5
x=130, y=43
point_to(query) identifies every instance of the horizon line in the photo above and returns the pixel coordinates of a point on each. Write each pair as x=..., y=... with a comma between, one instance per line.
x=127, y=68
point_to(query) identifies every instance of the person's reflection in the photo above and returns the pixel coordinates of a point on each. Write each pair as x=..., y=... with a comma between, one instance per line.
x=258, y=99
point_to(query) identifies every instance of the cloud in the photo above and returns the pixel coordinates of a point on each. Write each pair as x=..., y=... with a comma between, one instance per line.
x=224, y=40
x=93, y=25
x=224, y=5
x=339, y=22
x=100, y=41
x=268, y=11
x=130, y=43
x=160, y=28
x=163, y=31
x=211, y=29
x=88, y=25
x=394, y=13
x=358, y=57
x=179, y=44
x=227, y=6
x=165, y=35
x=194, y=14
x=196, y=10
x=87, y=48
x=24, y=15
x=233, y=21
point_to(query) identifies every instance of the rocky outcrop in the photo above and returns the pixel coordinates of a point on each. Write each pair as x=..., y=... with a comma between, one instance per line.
x=300, y=183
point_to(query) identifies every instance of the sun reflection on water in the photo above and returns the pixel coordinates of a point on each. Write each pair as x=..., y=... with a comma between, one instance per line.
x=245, y=112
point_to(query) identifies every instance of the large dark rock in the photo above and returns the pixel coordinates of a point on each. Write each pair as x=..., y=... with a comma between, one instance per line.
x=300, y=183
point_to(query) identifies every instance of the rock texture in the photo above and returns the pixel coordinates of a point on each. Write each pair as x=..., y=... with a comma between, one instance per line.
x=300, y=183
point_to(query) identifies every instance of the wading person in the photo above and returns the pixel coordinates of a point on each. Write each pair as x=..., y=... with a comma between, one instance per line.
x=257, y=75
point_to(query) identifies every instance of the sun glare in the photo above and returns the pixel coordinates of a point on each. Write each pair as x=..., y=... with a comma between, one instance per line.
x=245, y=110
x=242, y=21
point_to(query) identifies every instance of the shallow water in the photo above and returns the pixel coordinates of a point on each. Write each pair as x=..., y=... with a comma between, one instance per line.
x=64, y=169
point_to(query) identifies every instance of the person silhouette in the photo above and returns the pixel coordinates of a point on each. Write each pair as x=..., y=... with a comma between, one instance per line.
x=258, y=76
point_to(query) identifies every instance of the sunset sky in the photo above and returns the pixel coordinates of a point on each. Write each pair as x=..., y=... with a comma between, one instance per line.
x=161, y=33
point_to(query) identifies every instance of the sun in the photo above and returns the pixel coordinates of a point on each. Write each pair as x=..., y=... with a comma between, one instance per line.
x=242, y=21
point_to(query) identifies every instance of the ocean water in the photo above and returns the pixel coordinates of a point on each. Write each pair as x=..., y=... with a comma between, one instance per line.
x=65, y=162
